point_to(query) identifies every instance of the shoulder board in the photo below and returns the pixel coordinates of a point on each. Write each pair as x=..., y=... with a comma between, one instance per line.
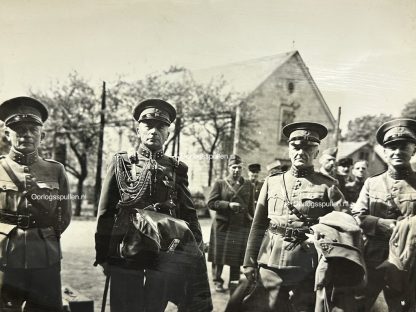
x=376, y=175
x=124, y=155
x=52, y=161
x=275, y=174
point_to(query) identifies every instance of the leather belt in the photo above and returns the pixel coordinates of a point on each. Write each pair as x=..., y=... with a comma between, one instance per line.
x=288, y=232
x=21, y=221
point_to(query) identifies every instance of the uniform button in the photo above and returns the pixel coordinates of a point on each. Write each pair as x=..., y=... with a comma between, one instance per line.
x=291, y=212
x=290, y=221
x=4, y=187
x=25, y=169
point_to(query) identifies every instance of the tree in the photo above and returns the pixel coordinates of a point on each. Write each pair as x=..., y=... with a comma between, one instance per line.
x=212, y=113
x=364, y=128
x=74, y=116
x=409, y=111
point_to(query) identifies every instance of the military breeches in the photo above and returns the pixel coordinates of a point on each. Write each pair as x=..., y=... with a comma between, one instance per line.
x=40, y=289
x=144, y=290
x=276, y=294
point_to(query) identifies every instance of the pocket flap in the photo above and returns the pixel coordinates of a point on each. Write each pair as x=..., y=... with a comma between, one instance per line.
x=312, y=196
x=49, y=185
x=407, y=197
x=7, y=185
x=6, y=228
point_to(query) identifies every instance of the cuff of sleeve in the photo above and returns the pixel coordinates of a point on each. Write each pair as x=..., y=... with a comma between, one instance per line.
x=221, y=204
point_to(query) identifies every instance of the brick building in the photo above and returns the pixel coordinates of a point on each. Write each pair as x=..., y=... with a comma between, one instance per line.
x=282, y=90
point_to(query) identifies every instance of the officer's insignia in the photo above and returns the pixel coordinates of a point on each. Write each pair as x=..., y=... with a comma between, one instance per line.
x=326, y=247
x=157, y=112
x=400, y=129
x=306, y=133
x=175, y=242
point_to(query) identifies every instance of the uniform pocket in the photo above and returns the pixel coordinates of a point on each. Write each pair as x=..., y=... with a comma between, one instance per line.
x=275, y=204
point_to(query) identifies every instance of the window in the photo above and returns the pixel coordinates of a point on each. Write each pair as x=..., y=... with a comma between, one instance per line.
x=291, y=87
x=287, y=115
x=364, y=155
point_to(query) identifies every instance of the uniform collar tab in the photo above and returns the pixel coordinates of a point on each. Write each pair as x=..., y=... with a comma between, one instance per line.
x=23, y=159
x=301, y=172
x=144, y=151
x=399, y=173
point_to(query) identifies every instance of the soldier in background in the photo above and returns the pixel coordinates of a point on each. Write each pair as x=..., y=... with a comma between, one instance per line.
x=352, y=189
x=274, y=167
x=278, y=252
x=253, y=175
x=34, y=210
x=343, y=173
x=383, y=200
x=328, y=161
x=231, y=198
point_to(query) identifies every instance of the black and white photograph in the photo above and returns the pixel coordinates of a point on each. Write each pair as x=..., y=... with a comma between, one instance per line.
x=208, y=156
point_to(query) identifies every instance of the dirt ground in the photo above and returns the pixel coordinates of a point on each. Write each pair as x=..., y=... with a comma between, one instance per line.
x=79, y=273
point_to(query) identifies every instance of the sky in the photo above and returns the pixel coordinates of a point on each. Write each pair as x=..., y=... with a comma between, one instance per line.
x=361, y=54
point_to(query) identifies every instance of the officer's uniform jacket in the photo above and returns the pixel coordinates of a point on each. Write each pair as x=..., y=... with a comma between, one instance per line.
x=164, y=189
x=385, y=196
x=257, y=185
x=313, y=194
x=33, y=231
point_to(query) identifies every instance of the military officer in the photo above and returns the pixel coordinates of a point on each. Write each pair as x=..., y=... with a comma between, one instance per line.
x=34, y=211
x=161, y=181
x=328, y=161
x=253, y=175
x=353, y=188
x=278, y=252
x=231, y=198
x=383, y=200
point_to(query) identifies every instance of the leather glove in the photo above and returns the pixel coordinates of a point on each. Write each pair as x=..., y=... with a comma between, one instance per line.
x=251, y=274
x=235, y=207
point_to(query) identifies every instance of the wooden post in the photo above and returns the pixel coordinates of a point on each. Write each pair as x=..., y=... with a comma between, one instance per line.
x=237, y=129
x=100, y=151
x=337, y=128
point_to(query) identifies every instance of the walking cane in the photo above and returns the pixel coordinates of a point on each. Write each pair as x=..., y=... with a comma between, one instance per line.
x=107, y=282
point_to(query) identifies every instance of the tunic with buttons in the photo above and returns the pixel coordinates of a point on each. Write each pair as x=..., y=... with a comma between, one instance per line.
x=165, y=187
x=311, y=193
x=383, y=197
x=257, y=185
x=33, y=230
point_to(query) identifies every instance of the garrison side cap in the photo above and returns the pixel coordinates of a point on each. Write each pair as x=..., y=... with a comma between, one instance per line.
x=234, y=160
x=23, y=108
x=255, y=168
x=331, y=152
x=312, y=132
x=154, y=109
x=274, y=164
x=401, y=129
